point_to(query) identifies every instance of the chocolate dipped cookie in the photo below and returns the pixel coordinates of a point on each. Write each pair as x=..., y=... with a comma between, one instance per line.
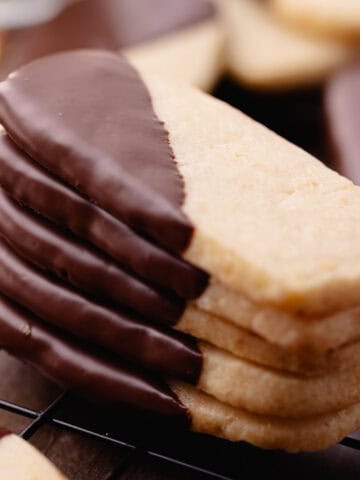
x=103, y=188
x=181, y=39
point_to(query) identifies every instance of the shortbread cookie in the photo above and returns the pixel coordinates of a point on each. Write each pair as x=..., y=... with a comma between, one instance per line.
x=20, y=461
x=315, y=433
x=33, y=187
x=295, y=209
x=173, y=190
x=115, y=384
x=265, y=53
x=342, y=100
x=339, y=18
x=180, y=39
x=76, y=262
x=216, y=372
x=264, y=391
x=169, y=354
x=166, y=353
x=245, y=344
x=317, y=334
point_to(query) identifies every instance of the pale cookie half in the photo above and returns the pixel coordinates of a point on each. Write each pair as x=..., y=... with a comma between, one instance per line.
x=20, y=461
x=264, y=210
x=245, y=344
x=266, y=54
x=340, y=18
x=315, y=433
x=265, y=391
x=297, y=332
x=173, y=55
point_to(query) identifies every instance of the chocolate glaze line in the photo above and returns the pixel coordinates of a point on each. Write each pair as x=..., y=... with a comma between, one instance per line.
x=73, y=366
x=105, y=142
x=105, y=24
x=33, y=187
x=153, y=348
x=79, y=264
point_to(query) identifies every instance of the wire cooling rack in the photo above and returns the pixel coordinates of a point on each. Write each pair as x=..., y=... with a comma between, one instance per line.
x=208, y=457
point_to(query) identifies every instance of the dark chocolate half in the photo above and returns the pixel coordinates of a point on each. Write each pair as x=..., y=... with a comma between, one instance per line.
x=342, y=105
x=31, y=186
x=80, y=265
x=80, y=368
x=87, y=117
x=105, y=24
x=150, y=347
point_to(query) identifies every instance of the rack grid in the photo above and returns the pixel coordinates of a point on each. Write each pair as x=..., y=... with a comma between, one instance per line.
x=200, y=454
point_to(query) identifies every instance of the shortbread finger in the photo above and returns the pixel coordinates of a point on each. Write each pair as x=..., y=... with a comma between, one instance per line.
x=265, y=391
x=249, y=346
x=76, y=262
x=32, y=187
x=20, y=461
x=315, y=433
x=46, y=246
x=265, y=53
x=295, y=209
x=337, y=18
x=160, y=34
x=117, y=330
x=111, y=383
x=244, y=184
x=220, y=374
x=314, y=333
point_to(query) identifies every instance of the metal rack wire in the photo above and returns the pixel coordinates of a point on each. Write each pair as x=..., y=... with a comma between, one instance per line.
x=200, y=454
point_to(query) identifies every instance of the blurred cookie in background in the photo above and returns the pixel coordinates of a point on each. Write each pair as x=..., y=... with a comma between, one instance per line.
x=337, y=18
x=263, y=52
x=181, y=39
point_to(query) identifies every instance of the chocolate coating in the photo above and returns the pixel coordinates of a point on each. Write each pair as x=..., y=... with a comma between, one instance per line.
x=33, y=187
x=80, y=265
x=167, y=352
x=81, y=369
x=106, y=24
x=4, y=433
x=342, y=104
x=110, y=147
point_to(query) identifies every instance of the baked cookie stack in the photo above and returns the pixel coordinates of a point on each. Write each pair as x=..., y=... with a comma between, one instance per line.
x=161, y=249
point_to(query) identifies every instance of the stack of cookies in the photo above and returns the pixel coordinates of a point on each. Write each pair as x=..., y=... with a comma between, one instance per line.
x=162, y=250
